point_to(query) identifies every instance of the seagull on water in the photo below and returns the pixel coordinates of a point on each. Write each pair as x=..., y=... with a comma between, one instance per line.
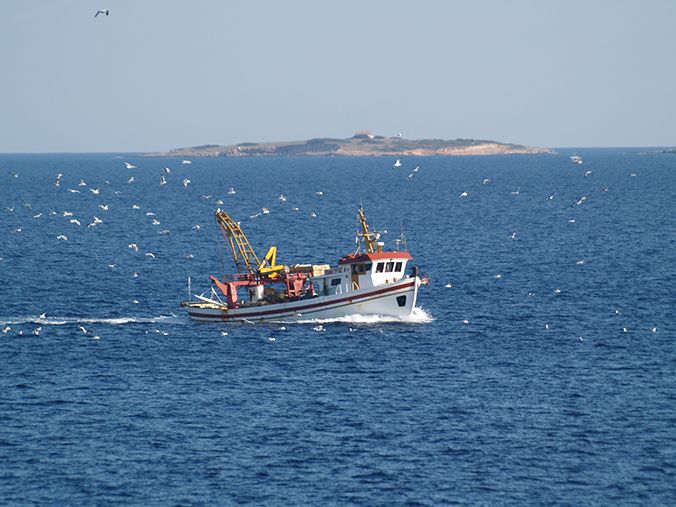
x=133, y=246
x=103, y=207
x=186, y=162
x=513, y=235
x=16, y=175
x=464, y=194
x=62, y=237
x=130, y=180
x=186, y=182
x=129, y=166
x=486, y=181
x=106, y=12
x=57, y=181
x=397, y=163
x=94, y=191
x=74, y=221
x=163, y=181
x=197, y=227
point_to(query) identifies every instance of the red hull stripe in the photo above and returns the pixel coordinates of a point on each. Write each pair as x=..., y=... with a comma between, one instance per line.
x=297, y=309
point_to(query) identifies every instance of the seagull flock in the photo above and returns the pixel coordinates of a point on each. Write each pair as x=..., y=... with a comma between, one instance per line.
x=135, y=247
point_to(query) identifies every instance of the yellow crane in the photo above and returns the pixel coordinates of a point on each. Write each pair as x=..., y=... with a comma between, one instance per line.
x=243, y=253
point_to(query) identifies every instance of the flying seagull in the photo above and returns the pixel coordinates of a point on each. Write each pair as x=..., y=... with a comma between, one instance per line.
x=102, y=11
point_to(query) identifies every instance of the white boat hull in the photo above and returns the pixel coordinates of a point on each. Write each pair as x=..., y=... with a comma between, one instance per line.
x=396, y=299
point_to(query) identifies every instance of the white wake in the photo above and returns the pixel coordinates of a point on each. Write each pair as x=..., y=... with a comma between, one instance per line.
x=417, y=316
x=60, y=321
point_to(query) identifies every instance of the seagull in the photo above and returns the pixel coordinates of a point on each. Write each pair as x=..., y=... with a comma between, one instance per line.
x=587, y=174
x=186, y=162
x=6, y=329
x=580, y=262
x=135, y=206
x=465, y=321
x=150, y=214
x=73, y=191
x=189, y=256
x=150, y=254
x=106, y=12
x=448, y=285
x=74, y=221
x=130, y=180
x=486, y=181
x=557, y=291
x=319, y=193
x=186, y=182
x=220, y=201
x=231, y=191
x=37, y=330
x=265, y=211
x=165, y=232
x=133, y=246
x=112, y=265
x=313, y=214
x=134, y=274
x=57, y=181
x=515, y=192
x=282, y=198
x=513, y=235
x=37, y=216
x=163, y=181
x=104, y=207
x=397, y=163
x=197, y=227
x=97, y=220
x=62, y=237
x=67, y=213
x=410, y=176
x=10, y=209
x=498, y=276
x=82, y=183
x=156, y=221
x=464, y=194
x=16, y=175
x=82, y=328
x=94, y=191
x=166, y=170
x=551, y=197
x=129, y=166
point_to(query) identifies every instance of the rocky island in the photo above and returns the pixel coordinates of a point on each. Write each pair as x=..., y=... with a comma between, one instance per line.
x=359, y=145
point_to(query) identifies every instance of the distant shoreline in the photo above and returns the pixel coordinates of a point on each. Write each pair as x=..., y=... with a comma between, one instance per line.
x=359, y=145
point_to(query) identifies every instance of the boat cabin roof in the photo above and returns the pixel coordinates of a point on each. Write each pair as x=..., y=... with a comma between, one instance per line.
x=369, y=257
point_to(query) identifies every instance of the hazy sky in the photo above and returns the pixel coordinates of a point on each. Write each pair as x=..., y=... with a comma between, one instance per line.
x=159, y=74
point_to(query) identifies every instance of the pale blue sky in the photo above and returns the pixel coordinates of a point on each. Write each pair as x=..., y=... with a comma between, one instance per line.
x=159, y=74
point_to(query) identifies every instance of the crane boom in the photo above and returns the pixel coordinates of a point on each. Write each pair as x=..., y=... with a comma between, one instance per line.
x=242, y=253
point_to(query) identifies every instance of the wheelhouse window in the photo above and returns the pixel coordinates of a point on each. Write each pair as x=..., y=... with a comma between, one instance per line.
x=389, y=267
x=397, y=267
x=335, y=281
x=380, y=267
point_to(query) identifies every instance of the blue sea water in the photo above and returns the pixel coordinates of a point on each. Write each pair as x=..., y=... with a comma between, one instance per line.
x=542, y=371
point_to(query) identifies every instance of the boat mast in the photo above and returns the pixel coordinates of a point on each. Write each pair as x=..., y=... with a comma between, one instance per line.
x=370, y=238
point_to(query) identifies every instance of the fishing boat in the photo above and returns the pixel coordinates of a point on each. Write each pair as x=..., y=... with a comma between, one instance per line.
x=367, y=281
